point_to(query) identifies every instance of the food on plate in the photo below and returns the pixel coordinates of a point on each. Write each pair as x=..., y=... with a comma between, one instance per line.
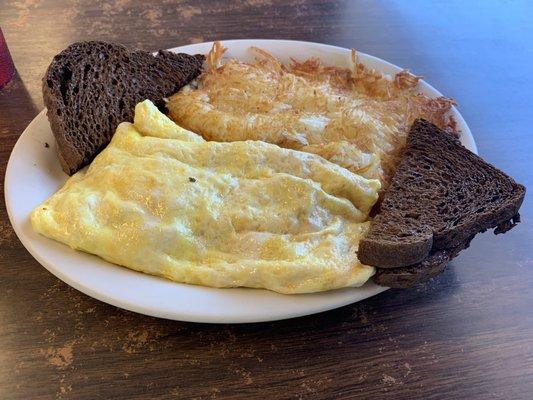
x=355, y=117
x=161, y=200
x=90, y=87
x=265, y=175
x=405, y=277
x=441, y=196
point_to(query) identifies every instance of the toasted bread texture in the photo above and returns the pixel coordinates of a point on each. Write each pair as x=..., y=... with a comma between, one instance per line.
x=434, y=264
x=90, y=87
x=441, y=196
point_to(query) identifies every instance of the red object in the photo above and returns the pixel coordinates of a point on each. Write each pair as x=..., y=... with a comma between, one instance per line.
x=7, y=68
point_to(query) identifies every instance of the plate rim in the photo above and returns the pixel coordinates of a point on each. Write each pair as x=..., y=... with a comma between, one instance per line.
x=183, y=315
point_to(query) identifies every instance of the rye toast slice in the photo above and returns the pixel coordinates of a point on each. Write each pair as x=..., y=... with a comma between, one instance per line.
x=90, y=87
x=434, y=264
x=441, y=196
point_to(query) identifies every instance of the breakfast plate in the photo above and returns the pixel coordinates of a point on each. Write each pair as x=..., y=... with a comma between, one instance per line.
x=34, y=173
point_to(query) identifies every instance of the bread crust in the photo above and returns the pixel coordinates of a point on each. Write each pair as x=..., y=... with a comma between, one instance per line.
x=441, y=196
x=393, y=254
x=90, y=87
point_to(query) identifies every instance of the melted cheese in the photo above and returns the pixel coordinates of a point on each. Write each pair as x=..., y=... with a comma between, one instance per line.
x=161, y=200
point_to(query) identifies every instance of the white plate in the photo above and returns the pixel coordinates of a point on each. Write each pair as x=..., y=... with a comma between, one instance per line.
x=33, y=174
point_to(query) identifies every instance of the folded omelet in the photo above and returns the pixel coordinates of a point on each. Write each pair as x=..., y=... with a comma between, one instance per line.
x=162, y=200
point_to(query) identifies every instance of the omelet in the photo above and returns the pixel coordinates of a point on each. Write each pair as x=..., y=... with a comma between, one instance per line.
x=354, y=117
x=162, y=200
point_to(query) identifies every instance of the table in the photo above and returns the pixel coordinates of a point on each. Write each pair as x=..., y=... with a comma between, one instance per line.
x=467, y=334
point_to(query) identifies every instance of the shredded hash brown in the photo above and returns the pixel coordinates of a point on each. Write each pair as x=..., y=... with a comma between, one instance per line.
x=355, y=117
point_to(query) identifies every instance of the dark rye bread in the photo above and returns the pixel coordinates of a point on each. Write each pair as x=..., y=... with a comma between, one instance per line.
x=90, y=87
x=431, y=266
x=441, y=196
x=408, y=276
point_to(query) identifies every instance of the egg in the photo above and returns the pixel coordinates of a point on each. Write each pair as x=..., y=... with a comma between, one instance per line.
x=161, y=200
